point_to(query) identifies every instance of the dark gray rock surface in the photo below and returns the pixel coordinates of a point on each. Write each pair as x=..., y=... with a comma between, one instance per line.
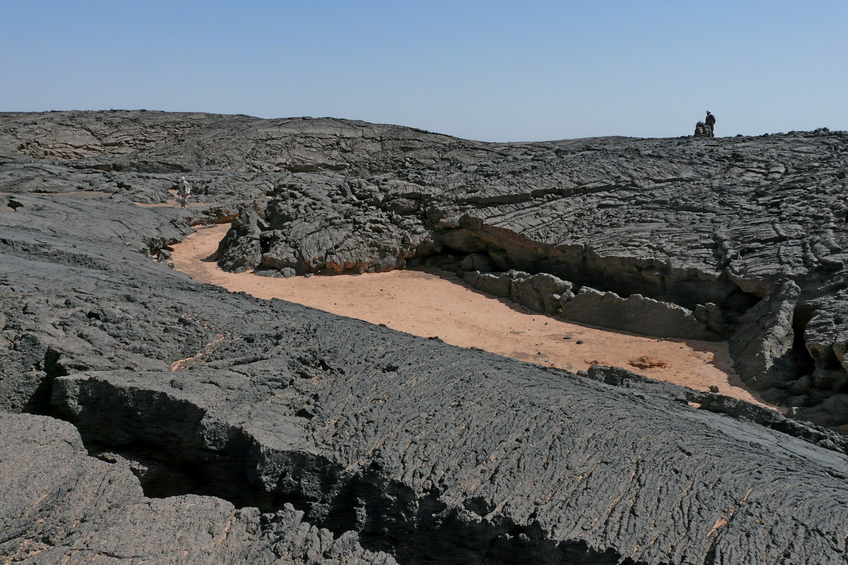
x=764, y=341
x=237, y=415
x=541, y=292
x=88, y=511
x=636, y=314
x=476, y=460
x=688, y=233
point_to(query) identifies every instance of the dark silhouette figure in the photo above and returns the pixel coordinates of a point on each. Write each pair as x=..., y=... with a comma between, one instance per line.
x=710, y=123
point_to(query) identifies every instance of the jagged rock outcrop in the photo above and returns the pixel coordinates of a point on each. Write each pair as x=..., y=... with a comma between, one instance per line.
x=240, y=249
x=764, y=341
x=268, y=421
x=329, y=229
x=702, y=130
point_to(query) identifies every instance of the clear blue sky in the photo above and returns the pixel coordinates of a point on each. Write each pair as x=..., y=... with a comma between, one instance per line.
x=487, y=70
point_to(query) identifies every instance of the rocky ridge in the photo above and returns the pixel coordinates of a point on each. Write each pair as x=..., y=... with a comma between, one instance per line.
x=255, y=424
x=668, y=237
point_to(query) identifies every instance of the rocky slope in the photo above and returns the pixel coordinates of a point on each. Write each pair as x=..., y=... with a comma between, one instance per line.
x=673, y=238
x=217, y=425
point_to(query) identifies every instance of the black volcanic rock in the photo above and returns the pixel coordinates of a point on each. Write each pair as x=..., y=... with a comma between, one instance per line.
x=240, y=249
x=88, y=511
x=250, y=425
x=422, y=468
x=688, y=234
x=764, y=342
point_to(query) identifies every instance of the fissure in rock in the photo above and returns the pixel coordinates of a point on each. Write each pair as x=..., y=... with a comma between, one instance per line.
x=177, y=459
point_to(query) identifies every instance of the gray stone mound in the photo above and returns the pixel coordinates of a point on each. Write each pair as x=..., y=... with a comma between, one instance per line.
x=214, y=427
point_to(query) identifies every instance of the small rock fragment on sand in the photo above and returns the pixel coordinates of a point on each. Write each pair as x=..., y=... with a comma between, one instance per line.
x=646, y=362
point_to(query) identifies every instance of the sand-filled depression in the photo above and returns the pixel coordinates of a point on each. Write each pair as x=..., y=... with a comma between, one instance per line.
x=430, y=303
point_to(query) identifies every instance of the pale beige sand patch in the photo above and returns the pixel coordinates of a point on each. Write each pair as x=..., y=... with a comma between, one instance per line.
x=427, y=304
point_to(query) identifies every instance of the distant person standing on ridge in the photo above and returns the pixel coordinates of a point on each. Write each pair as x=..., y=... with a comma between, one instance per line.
x=710, y=121
x=183, y=191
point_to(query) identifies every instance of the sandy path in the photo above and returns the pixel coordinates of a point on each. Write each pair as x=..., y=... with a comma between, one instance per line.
x=426, y=304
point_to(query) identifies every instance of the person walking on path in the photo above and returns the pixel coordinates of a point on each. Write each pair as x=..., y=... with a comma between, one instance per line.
x=183, y=191
x=710, y=121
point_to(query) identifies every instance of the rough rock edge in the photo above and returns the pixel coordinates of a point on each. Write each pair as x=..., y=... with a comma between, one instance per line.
x=89, y=511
